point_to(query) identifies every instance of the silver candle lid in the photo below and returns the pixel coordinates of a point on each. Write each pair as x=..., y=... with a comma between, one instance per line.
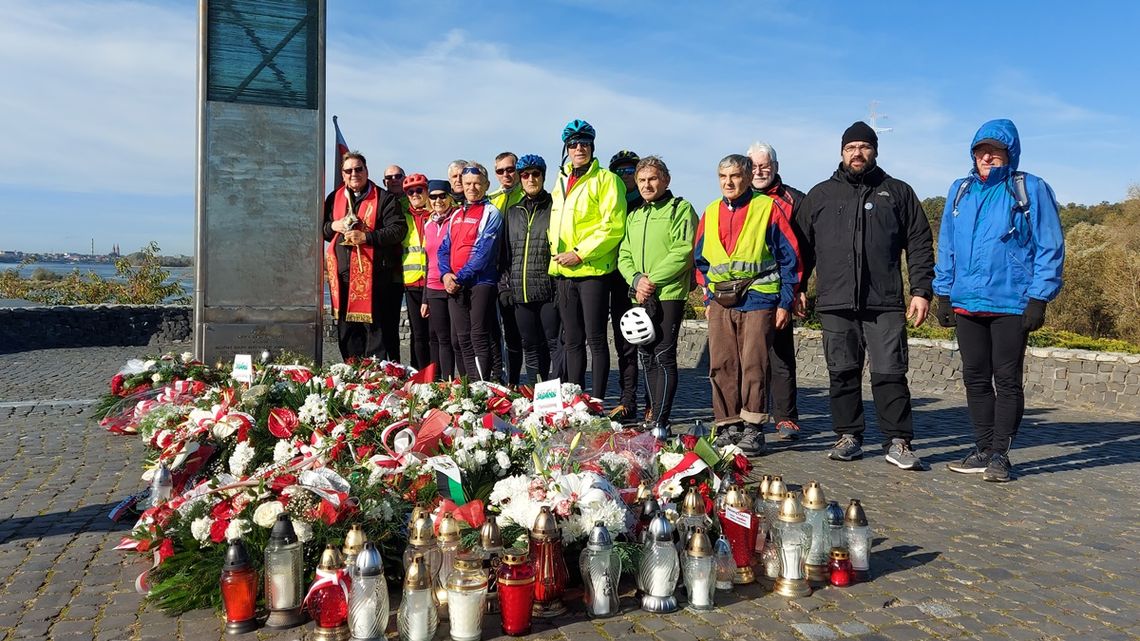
x=600, y=538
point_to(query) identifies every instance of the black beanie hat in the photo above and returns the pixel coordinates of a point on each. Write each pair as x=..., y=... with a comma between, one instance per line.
x=860, y=132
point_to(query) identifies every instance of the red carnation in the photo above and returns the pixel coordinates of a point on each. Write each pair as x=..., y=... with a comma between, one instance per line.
x=282, y=422
x=117, y=384
x=689, y=441
x=741, y=463
x=281, y=482
x=218, y=530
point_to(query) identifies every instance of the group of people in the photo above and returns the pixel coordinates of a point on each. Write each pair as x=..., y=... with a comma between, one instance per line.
x=493, y=281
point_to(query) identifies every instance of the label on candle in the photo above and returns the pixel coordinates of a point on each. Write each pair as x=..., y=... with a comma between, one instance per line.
x=743, y=519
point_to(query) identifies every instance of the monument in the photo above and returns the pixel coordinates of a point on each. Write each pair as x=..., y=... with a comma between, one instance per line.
x=261, y=114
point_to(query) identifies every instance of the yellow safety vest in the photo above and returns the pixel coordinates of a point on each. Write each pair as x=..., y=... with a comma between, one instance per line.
x=751, y=257
x=415, y=258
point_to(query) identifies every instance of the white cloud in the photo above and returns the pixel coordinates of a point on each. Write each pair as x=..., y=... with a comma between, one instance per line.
x=101, y=96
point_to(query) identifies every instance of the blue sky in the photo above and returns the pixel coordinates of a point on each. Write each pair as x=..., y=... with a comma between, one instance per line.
x=98, y=112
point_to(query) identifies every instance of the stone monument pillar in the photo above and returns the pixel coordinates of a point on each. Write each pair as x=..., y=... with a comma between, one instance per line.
x=261, y=115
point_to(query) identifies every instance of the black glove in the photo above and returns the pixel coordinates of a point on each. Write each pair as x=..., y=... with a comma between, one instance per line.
x=506, y=298
x=945, y=312
x=1034, y=315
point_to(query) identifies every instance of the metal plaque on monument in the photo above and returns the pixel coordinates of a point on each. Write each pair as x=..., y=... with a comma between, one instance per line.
x=258, y=286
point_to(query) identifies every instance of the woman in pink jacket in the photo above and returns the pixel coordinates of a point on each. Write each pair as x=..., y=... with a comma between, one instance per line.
x=441, y=339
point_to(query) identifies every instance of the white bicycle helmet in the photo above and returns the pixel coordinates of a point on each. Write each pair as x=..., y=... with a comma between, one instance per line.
x=637, y=327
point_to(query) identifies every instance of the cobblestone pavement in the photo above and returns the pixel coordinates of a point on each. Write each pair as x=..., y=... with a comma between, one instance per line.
x=1050, y=556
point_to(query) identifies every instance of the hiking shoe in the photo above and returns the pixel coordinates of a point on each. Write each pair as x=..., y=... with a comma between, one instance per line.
x=623, y=414
x=998, y=471
x=728, y=435
x=787, y=430
x=974, y=463
x=901, y=455
x=847, y=448
x=752, y=441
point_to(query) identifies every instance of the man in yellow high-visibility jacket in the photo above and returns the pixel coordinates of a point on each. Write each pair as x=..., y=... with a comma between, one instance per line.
x=748, y=265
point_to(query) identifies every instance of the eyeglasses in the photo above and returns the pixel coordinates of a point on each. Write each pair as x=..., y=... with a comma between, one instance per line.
x=353, y=170
x=527, y=175
x=625, y=171
x=579, y=144
x=394, y=177
x=503, y=171
x=415, y=191
x=437, y=196
x=858, y=147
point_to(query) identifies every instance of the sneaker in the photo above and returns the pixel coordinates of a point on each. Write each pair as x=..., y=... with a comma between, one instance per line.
x=847, y=448
x=787, y=430
x=901, y=455
x=727, y=435
x=752, y=442
x=974, y=463
x=623, y=414
x=998, y=471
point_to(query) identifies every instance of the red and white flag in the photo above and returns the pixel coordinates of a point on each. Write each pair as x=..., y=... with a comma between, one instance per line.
x=338, y=156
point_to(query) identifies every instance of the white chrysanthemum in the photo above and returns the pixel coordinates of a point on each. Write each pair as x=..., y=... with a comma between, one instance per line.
x=480, y=457
x=156, y=378
x=314, y=412
x=510, y=488
x=570, y=390
x=340, y=370
x=266, y=514
x=200, y=528
x=303, y=530
x=610, y=513
x=669, y=460
x=186, y=357
x=424, y=393
x=283, y=451
x=503, y=461
x=241, y=458
x=237, y=529
x=520, y=407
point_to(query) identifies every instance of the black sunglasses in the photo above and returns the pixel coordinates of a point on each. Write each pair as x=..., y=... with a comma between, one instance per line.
x=354, y=170
x=394, y=177
x=505, y=170
x=437, y=196
x=414, y=191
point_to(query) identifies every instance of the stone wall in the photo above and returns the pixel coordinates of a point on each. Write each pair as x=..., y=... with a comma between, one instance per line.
x=25, y=328
x=1108, y=382
x=1105, y=381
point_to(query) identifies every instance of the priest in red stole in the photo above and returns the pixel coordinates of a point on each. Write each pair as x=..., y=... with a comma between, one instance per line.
x=364, y=228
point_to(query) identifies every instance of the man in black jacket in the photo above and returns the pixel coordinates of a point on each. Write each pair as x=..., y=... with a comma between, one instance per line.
x=362, y=220
x=856, y=226
x=782, y=389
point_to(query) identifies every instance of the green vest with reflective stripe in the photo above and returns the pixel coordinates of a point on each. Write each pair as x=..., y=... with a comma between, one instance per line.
x=751, y=256
x=415, y=258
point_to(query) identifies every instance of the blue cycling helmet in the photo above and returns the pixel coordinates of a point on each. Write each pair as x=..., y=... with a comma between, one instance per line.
x=531, y=160
x=578, y=130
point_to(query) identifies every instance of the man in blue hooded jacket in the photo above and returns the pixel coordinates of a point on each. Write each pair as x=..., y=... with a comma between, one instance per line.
x=1001, y=252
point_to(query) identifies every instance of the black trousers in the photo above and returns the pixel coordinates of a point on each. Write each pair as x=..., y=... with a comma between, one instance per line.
x=626, y=352
x=659, y=357
x=378, y=339
x=848, y=337
x=993, y=359
x=440, y=343
x=508, y=341
x=421, y=350
x=540, y=332
x=782, y=376
x=583, y=306
x=473, y=314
